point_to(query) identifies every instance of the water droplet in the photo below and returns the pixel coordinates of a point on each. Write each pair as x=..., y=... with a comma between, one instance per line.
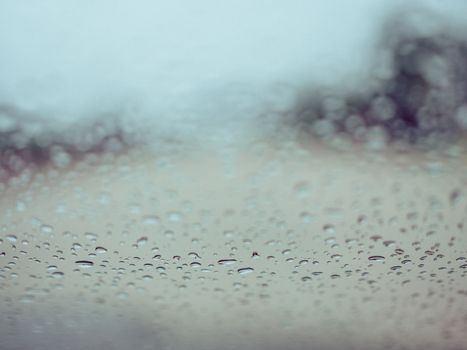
x=142, y=241
x=20, y=206
x=329, y=229
x=174, y=216
x=376, y=258
x=58, y=274
x=306, y=217
x=194, y=255
x=11, y=238
x=302, y=189
x=336, y=257
x=84, y=263
x=151, y=220
x=47, y=229
x=122, y=295
x=91, y=236
x=245, y=270
x=27, y=298
x=101, y=250
x=227, y=261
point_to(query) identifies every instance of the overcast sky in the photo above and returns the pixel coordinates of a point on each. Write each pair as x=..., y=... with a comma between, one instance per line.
x=176, y=60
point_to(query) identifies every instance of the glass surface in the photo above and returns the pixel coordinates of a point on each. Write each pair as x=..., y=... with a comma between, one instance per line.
x=233, y=175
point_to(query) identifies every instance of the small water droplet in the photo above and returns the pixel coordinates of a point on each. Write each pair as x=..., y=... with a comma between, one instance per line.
x=336, y=257
x=245, y=270
x=301, y=189
x=151, y=220
x=376, y=258
x=142, y=241
x=27, y=298
x=20, y=206
x=47, y=229
x=329, y=229
x=91, y=236
x=306, y=217
x=227, y=261
x=84, y=263
x=58, y=274
x=101, y=250
x=174, y=216
x=194, y=255
x=11, y=238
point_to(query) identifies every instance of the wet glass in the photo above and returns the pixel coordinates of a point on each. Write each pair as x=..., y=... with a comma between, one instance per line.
x=238, y=175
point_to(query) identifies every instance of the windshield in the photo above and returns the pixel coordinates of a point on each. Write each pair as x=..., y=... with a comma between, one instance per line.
x=233, y=175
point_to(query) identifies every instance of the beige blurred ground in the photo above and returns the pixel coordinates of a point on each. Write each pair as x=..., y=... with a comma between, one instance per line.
x=304, y=209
